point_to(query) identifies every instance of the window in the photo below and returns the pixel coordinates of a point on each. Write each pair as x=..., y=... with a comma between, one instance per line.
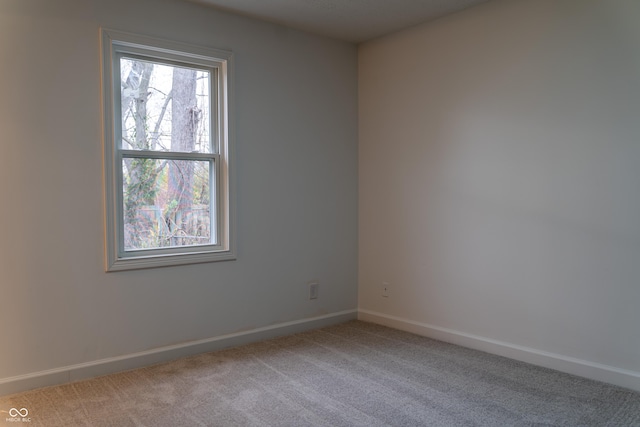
x=168, y=153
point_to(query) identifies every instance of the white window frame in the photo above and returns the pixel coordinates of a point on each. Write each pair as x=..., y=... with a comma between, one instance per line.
x=114, y=45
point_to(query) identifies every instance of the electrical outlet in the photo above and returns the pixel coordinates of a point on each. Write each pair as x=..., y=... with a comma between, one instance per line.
x=313, y=290
x=385, y=289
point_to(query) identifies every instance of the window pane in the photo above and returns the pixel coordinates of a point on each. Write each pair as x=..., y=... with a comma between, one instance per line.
x=164, y=107
x=166, y=203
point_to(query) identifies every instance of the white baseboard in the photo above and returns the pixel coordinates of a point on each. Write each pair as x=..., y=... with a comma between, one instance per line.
x=595, y=371
x=111, y=365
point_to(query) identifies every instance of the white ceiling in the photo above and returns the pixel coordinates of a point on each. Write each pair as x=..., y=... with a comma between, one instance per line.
x=351, y=20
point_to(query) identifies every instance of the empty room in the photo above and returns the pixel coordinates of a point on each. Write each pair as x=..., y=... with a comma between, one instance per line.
x=320, y=212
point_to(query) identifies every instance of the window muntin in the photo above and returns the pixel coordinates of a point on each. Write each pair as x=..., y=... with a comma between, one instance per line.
x=167, y=153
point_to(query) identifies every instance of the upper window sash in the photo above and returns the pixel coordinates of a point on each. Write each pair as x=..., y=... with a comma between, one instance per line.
x=124, y=45
x=208, y=78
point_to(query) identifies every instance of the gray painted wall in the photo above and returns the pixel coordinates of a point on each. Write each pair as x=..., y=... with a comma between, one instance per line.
x=499, y=180
x=296, y=128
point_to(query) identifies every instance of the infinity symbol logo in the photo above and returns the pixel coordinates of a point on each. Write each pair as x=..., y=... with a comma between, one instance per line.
x=13, y=412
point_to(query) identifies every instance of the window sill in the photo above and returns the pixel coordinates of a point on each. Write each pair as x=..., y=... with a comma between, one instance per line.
x=167, y=260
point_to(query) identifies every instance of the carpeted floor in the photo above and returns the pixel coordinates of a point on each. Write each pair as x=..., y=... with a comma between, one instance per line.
x=353, y=374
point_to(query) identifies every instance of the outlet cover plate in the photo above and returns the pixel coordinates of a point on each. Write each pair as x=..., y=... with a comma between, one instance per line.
x=313, y=290
x=385, y=289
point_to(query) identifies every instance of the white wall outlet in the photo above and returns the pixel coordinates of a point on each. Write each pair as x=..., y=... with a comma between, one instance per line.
x=385, y=289
x=313, y=289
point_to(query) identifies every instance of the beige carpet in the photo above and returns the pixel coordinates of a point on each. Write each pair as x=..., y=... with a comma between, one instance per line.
x=354, y=374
